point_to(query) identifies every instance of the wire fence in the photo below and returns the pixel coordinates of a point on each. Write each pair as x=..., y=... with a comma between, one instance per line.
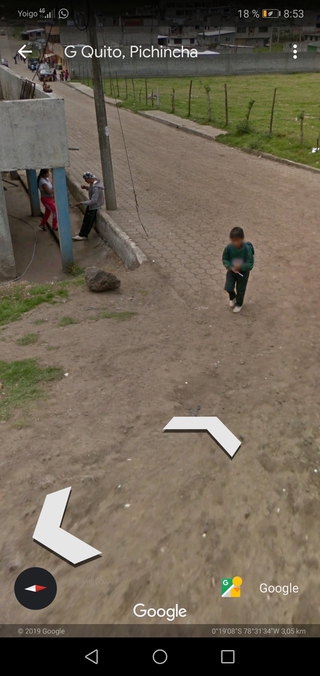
x=270, y=111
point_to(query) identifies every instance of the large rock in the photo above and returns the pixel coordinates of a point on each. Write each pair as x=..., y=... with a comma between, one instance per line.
x=99, y=280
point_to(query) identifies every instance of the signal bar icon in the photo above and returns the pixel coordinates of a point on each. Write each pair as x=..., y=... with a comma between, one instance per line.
x=50, y=15
x=271, y=13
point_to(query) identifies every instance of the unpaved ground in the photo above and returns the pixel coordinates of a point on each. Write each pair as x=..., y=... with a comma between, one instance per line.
x=100, y=431
x=100, y=428
x=37, y=253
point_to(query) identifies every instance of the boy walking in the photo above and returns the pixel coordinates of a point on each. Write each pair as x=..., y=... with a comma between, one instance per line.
x=238, y=259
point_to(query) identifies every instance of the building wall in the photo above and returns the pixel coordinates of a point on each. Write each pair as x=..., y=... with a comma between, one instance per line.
x=33, y=134
x=10, y=85
x=223, y=64
x=128, y=35
x=7, y=262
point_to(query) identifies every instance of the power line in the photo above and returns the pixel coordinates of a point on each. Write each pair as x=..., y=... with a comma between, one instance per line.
x=36, y=241
x=127, y=154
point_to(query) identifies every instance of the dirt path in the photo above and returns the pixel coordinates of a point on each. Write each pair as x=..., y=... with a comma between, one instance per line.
x=192, y=515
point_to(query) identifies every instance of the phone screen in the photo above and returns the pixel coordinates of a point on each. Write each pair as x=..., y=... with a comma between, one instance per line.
x=159, y=419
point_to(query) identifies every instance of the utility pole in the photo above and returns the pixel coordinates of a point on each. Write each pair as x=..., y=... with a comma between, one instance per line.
x=102, y=122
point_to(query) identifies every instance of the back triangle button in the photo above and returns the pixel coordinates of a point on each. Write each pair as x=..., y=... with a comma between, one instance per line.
x=92, y=657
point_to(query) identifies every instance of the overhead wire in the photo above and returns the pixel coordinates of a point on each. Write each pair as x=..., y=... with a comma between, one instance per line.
x=126, y=152
x=45, y=46
x=84, y=28
x=36, y=241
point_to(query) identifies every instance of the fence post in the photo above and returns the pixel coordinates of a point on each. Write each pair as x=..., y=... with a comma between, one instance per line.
x=126, y=86
x=226, y=104
x=272, y=111
x=173, y=106
x=189, y=100
x=301, y=126
x=158, y=97
x=146, y=88
x=133, y=89
x=117, y=81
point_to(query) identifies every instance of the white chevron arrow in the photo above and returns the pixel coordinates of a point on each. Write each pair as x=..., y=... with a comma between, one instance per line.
x=48, y=531
x=217, y=430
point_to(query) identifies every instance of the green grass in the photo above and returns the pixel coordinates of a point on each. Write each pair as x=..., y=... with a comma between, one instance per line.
x=28, y=339
x=67, y=321
x=76, y=270
x=15, y=301
x=120, y=316
x=295, y=93
x=21, y=384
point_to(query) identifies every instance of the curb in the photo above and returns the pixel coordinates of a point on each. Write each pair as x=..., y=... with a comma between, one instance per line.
x=179, y=125
x=129, y=252
x=203, y=134
x=144, y=113
x=280, y=160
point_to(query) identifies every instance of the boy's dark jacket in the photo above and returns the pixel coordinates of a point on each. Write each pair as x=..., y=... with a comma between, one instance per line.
x=246, y=253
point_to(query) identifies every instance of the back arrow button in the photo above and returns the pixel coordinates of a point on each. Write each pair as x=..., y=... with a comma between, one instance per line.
x=92, y=657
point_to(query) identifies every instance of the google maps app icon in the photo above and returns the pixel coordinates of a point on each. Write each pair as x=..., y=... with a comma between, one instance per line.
x=231, y=587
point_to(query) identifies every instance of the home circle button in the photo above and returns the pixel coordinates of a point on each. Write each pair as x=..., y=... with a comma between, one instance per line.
x=160, y=656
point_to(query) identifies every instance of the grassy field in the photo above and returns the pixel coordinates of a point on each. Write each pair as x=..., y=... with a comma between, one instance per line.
x=295, y=93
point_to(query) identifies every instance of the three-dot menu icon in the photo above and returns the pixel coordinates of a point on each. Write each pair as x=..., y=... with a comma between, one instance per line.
x=295, y=51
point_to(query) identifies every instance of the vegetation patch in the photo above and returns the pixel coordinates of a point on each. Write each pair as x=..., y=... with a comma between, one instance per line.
x=21, y=383
x=284, y=120
x=16, y=300
x=28, y=339
x=67, y=321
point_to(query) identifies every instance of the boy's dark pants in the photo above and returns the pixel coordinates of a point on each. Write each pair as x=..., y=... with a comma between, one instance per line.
x=236, y=285
x=88, y=222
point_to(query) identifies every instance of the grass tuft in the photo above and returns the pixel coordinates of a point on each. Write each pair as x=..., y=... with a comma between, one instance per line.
x=15, y=301
x=21, y=383
x=67, y=321
x=28, y=339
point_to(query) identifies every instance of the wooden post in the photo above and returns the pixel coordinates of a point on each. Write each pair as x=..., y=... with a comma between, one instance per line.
x=301, y=126
x=133, y=89
x=226, y=104
x=209, y=108
x=140, y=95
x=173, y=106
x=189, y=99
x=152, y=101
x=146, y=88
x=272, y=111
x=117, y=81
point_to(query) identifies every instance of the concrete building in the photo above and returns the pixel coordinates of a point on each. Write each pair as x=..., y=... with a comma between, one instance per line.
x=24, y=147
x=254, y=36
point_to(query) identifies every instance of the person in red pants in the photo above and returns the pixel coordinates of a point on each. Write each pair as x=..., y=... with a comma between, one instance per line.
x=45, y=186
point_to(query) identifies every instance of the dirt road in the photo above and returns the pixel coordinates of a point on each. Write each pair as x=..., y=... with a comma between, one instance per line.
x=172, y=514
